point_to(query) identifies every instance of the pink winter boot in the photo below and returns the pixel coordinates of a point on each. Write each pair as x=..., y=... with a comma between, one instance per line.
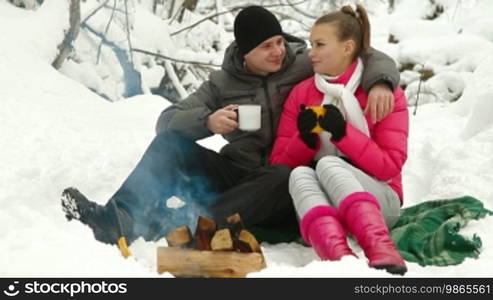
x=361, y=212
x=322, y=230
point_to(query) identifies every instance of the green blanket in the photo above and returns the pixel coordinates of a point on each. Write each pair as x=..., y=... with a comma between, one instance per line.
x=426, y=233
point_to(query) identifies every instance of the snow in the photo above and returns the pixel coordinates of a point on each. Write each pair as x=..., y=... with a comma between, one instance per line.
x=57, y=133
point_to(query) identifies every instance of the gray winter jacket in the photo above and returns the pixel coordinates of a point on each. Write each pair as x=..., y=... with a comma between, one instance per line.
x=233, y=84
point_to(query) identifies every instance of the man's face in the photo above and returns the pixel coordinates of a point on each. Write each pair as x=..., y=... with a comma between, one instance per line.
x=267, y=57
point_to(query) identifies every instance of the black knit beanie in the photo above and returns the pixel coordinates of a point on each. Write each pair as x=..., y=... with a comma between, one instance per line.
x=253, y=25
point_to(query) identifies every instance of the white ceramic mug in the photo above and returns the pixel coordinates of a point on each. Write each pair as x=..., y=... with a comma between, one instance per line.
x=249, y=116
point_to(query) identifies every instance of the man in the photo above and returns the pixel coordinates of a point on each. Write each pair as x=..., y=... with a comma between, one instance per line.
x=260, y=67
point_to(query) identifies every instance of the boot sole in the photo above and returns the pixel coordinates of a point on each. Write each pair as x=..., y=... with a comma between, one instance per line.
x=69, y=206
x=392, y=269
x=71, y=199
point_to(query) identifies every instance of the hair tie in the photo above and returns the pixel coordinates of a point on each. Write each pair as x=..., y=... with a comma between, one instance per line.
x=355, y=10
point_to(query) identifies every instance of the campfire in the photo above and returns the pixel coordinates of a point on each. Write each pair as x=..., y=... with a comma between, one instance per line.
x=232, y=251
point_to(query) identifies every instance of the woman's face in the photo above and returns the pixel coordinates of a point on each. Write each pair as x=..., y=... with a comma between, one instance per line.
x=329, y=56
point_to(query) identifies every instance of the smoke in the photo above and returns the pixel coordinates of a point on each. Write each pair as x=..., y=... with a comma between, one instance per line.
x=196, y=195
x=171, y=168
x=191, y=196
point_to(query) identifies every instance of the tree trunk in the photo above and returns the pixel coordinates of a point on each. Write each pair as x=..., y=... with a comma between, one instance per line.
x=187, y=4
x=71, y=34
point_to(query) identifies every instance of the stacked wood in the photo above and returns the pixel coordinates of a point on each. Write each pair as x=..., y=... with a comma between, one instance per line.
x=204, y=233
x=232, y=251
x=180, y=237
x=222, y=240
x=196, y=263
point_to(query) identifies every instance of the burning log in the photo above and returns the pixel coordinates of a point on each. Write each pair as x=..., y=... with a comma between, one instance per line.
x=228, y=252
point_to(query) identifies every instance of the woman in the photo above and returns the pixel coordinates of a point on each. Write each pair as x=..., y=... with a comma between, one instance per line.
x=356, y=179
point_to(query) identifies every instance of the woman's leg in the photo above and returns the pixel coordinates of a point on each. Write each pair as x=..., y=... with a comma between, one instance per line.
x=319, y=223
x=361, y=201
x=339, y=179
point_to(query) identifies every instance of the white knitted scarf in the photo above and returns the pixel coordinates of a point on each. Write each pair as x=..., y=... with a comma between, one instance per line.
x=343, y=98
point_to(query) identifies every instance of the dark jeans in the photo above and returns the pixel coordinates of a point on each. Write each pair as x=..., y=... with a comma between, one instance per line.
x=209, y=184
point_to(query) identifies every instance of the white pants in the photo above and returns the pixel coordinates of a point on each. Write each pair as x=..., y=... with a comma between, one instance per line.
x=332, y=181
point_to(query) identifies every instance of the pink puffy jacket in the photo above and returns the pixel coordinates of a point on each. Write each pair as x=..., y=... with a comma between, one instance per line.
x=381, y=155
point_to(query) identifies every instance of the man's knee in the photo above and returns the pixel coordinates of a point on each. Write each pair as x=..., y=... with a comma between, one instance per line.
x=281, y=172
x=172, y=140
x=172, y=136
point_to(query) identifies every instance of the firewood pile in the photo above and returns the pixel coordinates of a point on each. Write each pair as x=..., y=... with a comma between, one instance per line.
x=232, y=251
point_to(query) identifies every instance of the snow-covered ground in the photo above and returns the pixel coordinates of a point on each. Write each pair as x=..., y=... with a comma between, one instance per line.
x=56, y=133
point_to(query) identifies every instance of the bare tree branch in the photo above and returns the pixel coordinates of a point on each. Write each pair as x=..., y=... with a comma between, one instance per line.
x=154, y=6
x=219, y=5
x=187, y=4
x=174, y=59
x=70, y=36
x=175, y=80
x=228, y=11
x=419, y=89
x=94, y=11
x=177, y=13
x=128, y=33
x=171, y=8
x=293, y=6
x=290, y=17
x=106, y=31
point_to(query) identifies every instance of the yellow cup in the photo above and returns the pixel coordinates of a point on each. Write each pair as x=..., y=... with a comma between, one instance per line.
x=319, y=111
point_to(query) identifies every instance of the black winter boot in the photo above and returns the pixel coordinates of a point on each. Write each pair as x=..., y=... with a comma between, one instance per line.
x=108, y=222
